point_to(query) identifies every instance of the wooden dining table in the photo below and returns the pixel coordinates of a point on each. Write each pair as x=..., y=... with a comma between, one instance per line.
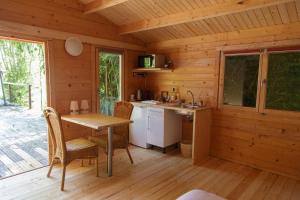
x=99, y=122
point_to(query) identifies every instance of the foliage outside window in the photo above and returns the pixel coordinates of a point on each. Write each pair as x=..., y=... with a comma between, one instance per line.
x=240, y=81
x=279, y=88
x=109, y=81
x=283, y=82
x=18, y=61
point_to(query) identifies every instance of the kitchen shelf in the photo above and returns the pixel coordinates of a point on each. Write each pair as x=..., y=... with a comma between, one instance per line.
x=146, y=70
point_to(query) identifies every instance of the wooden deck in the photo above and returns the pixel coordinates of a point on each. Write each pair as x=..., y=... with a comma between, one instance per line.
x=23, y=140
x=153, y=176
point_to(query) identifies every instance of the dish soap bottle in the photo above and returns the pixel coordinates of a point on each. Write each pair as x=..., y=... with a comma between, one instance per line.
x=177, y=94
x=173, y=96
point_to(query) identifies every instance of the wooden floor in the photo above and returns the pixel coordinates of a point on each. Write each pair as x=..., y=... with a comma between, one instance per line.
x=23, y=140
x=153, y=176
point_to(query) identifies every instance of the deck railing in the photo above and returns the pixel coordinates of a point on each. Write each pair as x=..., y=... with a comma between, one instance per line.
x=10, y=92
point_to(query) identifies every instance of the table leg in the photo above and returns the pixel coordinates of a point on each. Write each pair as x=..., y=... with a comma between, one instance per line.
x=109, y=153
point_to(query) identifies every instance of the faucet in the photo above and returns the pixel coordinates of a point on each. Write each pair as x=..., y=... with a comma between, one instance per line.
x=190, y=92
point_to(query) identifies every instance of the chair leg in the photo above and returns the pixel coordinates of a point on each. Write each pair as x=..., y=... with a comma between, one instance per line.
x=50, y=168
x=107, y=163
x=97, y=167
x=129, y=155
x=63, y=178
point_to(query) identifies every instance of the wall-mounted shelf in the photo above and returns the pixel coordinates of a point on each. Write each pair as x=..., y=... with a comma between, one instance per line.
x=142, y=72
x=146, y=70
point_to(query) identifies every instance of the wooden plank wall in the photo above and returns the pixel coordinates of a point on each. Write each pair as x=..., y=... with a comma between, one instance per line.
x=264, y=141
x=132, y=83
x=72, y=78
x=61, y=15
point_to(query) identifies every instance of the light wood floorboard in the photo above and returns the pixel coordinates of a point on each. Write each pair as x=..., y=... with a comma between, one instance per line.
x=153, y=176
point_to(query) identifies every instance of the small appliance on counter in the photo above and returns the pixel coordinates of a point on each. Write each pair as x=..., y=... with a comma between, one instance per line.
x=132, y=97
x=148, y=95
x=152, y=61
x=143, y=95
x=139, y=95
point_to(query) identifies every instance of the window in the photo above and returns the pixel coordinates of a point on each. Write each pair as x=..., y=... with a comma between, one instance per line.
x=283, y=82
x=262, y=81
x=110, y=80
x=240, y=80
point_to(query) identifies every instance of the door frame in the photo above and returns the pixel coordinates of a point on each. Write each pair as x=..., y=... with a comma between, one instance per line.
x=49, y=61
x=95, y=93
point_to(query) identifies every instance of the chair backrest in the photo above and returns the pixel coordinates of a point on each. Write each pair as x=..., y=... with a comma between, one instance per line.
x=56, y=132
x=123, y=109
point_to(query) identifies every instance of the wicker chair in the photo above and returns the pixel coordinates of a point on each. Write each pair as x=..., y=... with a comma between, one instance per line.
x=122, y=109
x=68, y=151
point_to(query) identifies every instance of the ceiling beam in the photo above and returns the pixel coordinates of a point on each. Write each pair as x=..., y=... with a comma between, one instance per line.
x=217, y=10
x=98, y=5
x=13, y=29
x=221, y=41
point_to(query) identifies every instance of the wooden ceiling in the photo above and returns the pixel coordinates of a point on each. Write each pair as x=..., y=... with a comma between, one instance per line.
x=159, y=20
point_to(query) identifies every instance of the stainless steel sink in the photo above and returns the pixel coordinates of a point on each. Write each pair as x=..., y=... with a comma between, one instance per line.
x=189, y=115
x=190, y=106
x=184, y=112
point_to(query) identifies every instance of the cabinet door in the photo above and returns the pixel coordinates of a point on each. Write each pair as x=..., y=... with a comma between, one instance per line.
x=138, y=129
x=155, y=133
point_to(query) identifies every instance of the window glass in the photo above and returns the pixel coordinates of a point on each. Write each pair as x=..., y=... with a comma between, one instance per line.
x=240, y=80
x=109, y=81
x=283, y=81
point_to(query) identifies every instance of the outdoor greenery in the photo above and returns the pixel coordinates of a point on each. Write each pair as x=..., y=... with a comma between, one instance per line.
x=240, y=84
x=283, y=81
x=17, y=60
x=283, y=85
x=109, y=81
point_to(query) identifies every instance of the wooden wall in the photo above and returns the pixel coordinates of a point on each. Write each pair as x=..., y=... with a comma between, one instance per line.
x=264, y=141
x=73, y=78
x=62, y=15
x=132, y=83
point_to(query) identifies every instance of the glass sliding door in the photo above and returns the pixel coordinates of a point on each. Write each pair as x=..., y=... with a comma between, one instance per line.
x=110, y=80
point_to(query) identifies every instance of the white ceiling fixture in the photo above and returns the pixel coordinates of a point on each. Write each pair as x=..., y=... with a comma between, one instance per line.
x=74, y=46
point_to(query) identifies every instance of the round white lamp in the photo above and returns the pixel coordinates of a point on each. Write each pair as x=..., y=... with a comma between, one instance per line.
x=73, y=46
x=74, y=108
x=84, y=106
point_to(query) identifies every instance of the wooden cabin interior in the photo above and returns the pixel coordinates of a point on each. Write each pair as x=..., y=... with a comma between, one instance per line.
x=242, y=123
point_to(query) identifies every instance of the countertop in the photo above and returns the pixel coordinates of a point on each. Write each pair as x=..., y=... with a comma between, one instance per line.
x=170, y=106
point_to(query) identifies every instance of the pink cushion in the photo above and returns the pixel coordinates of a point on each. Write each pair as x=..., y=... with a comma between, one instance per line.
x=199, y=195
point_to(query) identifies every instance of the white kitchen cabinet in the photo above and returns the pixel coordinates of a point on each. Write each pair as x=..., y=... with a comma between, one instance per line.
x=154, y=126
x=164, y=127
x=155, y=129
x=138, y=129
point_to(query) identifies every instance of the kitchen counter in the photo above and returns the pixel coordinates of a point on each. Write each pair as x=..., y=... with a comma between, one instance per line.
x=170, y=106
x=201, y=126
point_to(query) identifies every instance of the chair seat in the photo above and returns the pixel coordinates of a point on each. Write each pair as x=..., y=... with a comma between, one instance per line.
x=79, y=144
x=118, y=141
